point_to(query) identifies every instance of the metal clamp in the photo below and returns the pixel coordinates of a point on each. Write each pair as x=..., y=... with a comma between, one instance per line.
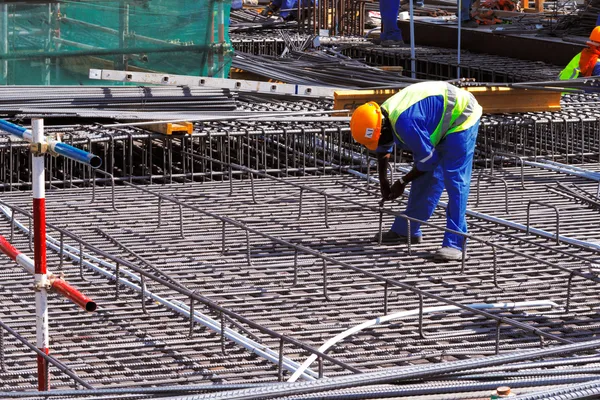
x=42, y=284
x=38, y=148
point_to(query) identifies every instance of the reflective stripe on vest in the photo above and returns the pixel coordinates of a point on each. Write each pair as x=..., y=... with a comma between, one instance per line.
x=461, y=110
x=571, y=71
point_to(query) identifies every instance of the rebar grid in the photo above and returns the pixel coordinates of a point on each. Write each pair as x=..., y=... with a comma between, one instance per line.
x=286, y=146
x=270, y=293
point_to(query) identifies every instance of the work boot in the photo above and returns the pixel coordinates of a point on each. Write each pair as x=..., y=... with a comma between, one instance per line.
x=448, y=254
x=390, y=237
x=391, y=39
x=392, y=43
x=469, y=24
x=406, y=7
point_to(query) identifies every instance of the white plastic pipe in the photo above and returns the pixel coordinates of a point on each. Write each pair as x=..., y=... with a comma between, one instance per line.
x=564, y=168
x=403, y=314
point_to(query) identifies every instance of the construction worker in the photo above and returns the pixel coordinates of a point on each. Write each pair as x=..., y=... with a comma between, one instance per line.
x=466, y=21
x=438, y=123
x=585, y=63
x=288, y=9
x=390, y=33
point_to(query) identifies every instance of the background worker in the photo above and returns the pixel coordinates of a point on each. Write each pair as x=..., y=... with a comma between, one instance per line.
x=585, y=63
x=438, y=123
x=390, y=33
x=288, y=9
x=466, y=21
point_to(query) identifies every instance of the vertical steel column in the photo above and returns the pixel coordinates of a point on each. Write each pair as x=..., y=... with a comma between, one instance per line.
x=48, y=46
x=56, y=33
x=413, y=62
x=4, y=43
x=39, y=226
x=211, y=40
x=221, y=15
x=121, y=63
x=459, y=4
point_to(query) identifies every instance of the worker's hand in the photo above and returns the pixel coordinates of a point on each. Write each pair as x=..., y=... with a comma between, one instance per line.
x=397, y=190
x=269, y=10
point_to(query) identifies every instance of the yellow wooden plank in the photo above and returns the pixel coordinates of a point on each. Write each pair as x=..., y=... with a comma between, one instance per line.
x=170, y=128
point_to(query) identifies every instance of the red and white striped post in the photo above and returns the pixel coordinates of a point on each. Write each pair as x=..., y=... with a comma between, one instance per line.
x=39, y=250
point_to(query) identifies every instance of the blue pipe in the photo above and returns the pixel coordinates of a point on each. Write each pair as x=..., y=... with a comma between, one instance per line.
x=75, y=154
x=16, y=130
x=57, y=147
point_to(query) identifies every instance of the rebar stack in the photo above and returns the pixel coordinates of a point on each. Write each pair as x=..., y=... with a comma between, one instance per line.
x=430, y=62
x=441, y=64
x=111, y=102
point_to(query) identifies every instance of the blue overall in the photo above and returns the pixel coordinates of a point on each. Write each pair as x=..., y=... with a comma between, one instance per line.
x=389, y=10
x=448, y=165
x=465, y=10
x=291, y=6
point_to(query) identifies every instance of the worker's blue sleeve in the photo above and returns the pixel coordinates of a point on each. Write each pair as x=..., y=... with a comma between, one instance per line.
x=596, y=71
x=385, y=148
x=291, y=6
x=414, y=128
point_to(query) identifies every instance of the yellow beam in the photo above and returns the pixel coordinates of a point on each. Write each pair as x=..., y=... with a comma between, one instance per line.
x=493, y=100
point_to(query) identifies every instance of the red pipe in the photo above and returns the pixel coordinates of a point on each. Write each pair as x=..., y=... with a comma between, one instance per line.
x=8, y=249
x=59, y=285
x=63, y=288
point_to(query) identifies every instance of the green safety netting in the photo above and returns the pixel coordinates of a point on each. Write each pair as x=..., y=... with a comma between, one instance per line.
x=57, y=42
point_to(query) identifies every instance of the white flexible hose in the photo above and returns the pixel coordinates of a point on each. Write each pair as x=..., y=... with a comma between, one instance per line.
x=402, y=314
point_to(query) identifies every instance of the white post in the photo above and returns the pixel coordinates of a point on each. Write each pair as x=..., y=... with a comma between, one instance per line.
x=39, y=224
x=413, y=62
x=459, y=3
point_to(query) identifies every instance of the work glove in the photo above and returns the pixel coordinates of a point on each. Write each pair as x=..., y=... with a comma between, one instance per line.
x=396, y=190
x=270, y=9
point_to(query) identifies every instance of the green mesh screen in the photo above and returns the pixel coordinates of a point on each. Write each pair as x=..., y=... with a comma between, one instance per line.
x=56, y=43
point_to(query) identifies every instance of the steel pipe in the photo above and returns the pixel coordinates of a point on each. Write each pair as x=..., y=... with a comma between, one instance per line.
x=57, y=147
x=55, y=283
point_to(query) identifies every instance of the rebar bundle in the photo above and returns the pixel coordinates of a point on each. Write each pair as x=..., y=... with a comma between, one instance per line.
x=441, y=64
x=317, y=68
x=79, y=100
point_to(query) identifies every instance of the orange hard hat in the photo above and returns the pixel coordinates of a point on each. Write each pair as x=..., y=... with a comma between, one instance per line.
x=365, y=125
x=595, y=37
